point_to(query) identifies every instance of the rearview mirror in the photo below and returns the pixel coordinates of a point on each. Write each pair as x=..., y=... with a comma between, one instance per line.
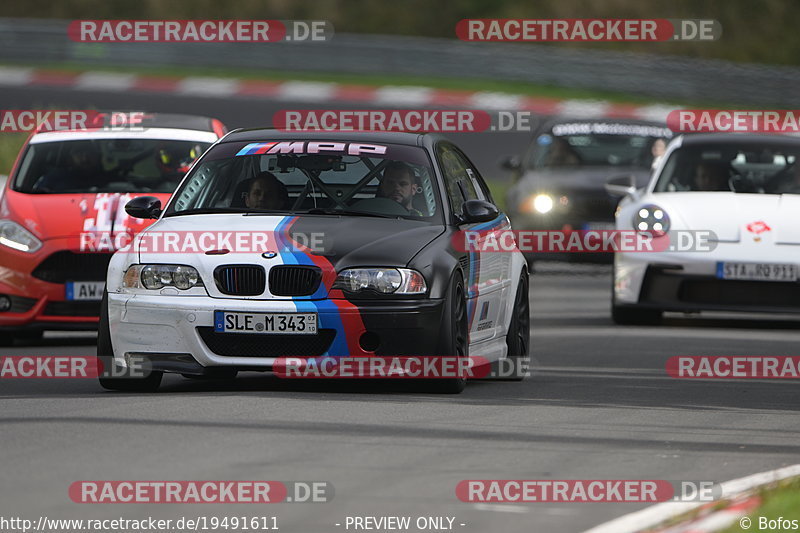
x=144, y=207
x=622, y=186
x=510, y=162
x=478, y=211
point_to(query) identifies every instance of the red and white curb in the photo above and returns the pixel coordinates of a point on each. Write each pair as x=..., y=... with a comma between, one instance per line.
x=321, y=92
x=738, y=491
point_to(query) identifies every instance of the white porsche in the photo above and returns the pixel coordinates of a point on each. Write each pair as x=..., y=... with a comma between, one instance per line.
x=741, y=193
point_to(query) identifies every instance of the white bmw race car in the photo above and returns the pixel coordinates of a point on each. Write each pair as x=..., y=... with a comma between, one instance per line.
x=729, y=206
x=311, y=245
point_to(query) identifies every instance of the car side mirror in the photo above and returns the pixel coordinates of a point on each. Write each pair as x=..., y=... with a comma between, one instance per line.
x=510, y=162
x=622, y=186
x=478, y=211
x=144, y=207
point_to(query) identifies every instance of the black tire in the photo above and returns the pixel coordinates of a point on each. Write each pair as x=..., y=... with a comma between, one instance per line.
x=518, y=339
x=455, y=335
x=111, y=376
x=631, y=316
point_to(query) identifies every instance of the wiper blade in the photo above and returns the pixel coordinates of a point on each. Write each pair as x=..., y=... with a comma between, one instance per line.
x=332, y=211
x=208, y=211
x=251, y=212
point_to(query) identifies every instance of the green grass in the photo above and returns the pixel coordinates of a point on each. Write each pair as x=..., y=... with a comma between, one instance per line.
x=498, y=189
x=10, y=143
x=781, y=501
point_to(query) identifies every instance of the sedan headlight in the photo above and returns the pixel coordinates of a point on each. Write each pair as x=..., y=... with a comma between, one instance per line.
x=159, y=276
x=543, y=203
x=381, y=280
x=15, y=236
x=651, y=218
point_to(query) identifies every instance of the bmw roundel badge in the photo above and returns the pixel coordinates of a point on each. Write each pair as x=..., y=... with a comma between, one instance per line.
x=269, y=255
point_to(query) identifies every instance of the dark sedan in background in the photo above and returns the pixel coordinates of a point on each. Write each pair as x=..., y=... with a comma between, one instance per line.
x=559, y=182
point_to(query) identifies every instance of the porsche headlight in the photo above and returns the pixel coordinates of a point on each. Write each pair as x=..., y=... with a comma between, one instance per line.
x=15, y=236
x=651, y=218
x=155, y=277
x=381, y=280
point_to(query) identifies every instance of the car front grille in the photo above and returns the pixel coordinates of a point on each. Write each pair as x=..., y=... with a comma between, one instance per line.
x=266, y=345
x=64, y=266
x=240, y=280
x=740, y=293
x=91, y=308
x=597, y=206
x=294, y=280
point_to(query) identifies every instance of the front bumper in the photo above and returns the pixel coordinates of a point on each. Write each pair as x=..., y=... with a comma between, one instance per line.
x=180, y=328
x=35, y=283
x=688, y=283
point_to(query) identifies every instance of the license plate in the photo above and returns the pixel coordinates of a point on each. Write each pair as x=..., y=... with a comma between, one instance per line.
x=285, y=323
x=599, y=226
x=757, y=271
x=85, y=290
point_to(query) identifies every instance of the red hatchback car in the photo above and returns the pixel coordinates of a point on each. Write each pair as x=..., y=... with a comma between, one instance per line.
x=62, y=214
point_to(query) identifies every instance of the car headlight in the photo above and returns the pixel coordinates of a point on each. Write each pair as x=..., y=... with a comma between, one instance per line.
x=543, y=203
x=15, y=236
x=651, y=218
x=159, y=276
x=381, y=280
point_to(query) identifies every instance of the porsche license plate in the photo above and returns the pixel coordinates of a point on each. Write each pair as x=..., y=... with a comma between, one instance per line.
x=284, y=323
x=757, y=271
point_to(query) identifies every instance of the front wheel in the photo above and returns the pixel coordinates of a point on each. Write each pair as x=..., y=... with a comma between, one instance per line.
x=631, y=316
x=455, y=335
x=110, y=374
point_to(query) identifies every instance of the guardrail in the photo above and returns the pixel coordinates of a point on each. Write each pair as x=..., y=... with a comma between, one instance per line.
x=660, y=77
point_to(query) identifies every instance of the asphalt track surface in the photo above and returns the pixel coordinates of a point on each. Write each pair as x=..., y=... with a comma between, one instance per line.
x=598, y=406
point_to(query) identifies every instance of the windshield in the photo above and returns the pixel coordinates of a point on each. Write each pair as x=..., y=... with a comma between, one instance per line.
x=760, y=168
x=106, y=165
x=601, y=144
x=312, y=177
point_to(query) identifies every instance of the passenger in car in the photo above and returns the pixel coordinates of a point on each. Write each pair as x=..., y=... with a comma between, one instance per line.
x=710, y=176
x=82, y=170
x=266, y=192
